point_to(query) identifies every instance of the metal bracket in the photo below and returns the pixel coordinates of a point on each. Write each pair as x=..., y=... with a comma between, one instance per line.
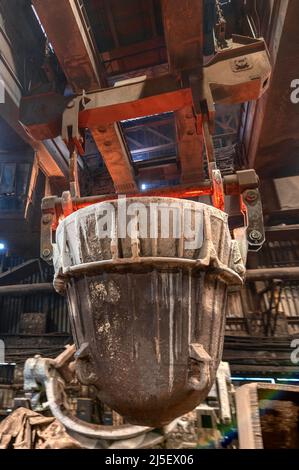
x=236, y=74
x=70, y=124
x=200, y=367
x=246, y=185
x=251, y=207
x=71, y=135
x=253, y=214
x=47, y=223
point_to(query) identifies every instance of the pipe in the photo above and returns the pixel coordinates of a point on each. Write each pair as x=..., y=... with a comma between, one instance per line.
x=183, y=191
x=265, y=274
x=26, y=289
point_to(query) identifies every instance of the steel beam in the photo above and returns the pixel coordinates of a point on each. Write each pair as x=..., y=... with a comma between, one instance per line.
x=282, y=232
x=266, y=274
x=231, y=77
x=271, y=136
x=134, y=98
x=67, y=29
x=41, y=115
x=48, y=163
x=181, y=191
x=9, y=109
x=190, y=146
x=222, y=82
x=183, y=27
x=115, y=155
x=26, y=289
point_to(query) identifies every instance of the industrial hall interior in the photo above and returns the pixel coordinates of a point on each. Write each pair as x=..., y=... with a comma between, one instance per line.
x=149, y=224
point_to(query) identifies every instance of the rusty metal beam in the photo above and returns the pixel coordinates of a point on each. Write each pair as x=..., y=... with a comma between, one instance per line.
x=41, y=115
x=9, y=110
x=135, y=98
x=151, y=6
x=183, y=27
x=115, y=153
x=243, y=78
x=57, y=206
x=190, y=146
x=107, y=4
x=271, y=135
x=282, y=232
x=49, y=165
x=266, y=274
x=66, y=29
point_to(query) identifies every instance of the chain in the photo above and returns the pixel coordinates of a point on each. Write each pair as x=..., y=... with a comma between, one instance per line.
x=220, y=27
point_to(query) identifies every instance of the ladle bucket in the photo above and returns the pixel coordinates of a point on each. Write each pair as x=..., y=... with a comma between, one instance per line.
x=147, y=307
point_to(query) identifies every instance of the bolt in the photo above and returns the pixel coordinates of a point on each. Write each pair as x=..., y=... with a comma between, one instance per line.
x=255, y=235
x=217, y=177
x=251, y=196
x=47, y=219
x=241, y=63
x=46, y=253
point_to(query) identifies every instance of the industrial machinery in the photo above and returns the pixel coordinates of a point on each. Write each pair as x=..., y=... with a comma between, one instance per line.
x=147, y=309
